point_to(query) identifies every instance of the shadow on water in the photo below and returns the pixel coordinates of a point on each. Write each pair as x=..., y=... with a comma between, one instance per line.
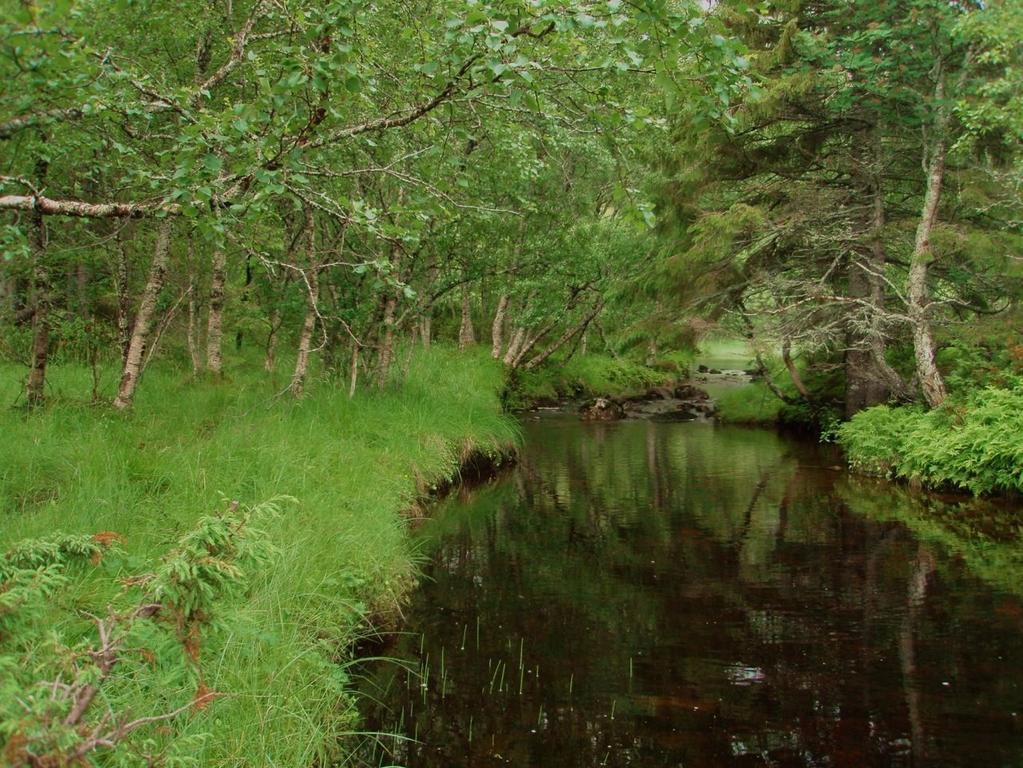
x=644, y=594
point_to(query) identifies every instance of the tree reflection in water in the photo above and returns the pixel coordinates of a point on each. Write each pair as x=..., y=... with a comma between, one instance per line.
x=644, y=594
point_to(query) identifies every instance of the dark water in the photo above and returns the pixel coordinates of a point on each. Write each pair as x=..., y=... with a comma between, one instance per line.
x=643, y=594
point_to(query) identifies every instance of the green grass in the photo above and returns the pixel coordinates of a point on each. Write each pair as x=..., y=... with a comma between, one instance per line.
x=343, y=550
x=585, y=376
x=751, y=403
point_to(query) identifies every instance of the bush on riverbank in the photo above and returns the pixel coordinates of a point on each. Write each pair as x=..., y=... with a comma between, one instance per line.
x=976, y=445
x=279, y=657
x=751, y=403
x=584, y=376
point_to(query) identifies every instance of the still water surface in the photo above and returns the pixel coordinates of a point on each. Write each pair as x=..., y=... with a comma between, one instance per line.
x=648, y=594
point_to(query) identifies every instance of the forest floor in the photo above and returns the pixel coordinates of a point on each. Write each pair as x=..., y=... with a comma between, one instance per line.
x=343, y=555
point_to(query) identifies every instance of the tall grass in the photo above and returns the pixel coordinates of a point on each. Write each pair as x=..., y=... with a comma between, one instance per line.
x=344, y=553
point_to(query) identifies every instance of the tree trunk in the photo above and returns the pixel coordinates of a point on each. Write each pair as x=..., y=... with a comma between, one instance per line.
x=271, y=342
x=353, y=371
x=385, y=355
x=123, y=301
x=426, y=324
x=790, y=365
x=931, y=382
x=893, y=382
x=517, y=340
x=193, y=321
x=426, y=328
x=143, y=320
x=567, y=336
x=215, y=318
x=497, y=329
x=466, y=333
x=36, y=385
x=312, y=280
x=193, y=331
x=870, y=380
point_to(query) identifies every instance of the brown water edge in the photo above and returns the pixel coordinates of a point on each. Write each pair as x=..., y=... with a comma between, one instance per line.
x=651, y=594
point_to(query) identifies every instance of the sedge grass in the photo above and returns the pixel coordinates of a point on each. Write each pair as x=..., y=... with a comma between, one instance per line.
x=343, y=550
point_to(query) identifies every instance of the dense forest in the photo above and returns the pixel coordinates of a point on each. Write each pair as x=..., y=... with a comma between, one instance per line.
x=287, y=259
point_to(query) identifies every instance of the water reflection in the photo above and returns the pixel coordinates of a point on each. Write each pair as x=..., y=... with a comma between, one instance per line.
x=643, y=594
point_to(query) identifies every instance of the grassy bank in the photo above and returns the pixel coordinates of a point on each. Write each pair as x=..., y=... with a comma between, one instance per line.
x=588, y=376
x=340, y=552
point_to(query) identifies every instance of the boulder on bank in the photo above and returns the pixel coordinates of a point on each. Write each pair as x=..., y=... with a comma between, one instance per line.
x=690, y=392
x=601, y=409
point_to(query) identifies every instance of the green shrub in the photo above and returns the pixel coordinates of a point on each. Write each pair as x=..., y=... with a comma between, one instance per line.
x=976, y=446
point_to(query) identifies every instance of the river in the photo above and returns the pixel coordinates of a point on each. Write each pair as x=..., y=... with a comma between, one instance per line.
x=687, y=594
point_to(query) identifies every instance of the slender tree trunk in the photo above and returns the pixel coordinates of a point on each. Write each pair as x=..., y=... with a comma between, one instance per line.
x=517, y=340
x=193, y=321
x=385, y=356
x=651, y=353
x=790, y=364
x=426, y=324
x=426, y=328
x=466, y=333
x=215, y=318
x=193, y=330
x=497, y=329
x=123, y=300
x=567, y=336
x=931, y=382
x=353, y=371
x=271, y=342
x=312, y=279
x=923, y=568
x=36, y=384
x=531, y=341
x=144, y=319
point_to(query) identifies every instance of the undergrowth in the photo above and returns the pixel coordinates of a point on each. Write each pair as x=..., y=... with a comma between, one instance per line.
x=279, y=660
x=974, y=445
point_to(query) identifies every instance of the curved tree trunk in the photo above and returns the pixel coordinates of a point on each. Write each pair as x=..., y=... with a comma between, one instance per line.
x=931, y=382
x=517, y=340
x=567, y=336
x=790, y=365
x=144, y=319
